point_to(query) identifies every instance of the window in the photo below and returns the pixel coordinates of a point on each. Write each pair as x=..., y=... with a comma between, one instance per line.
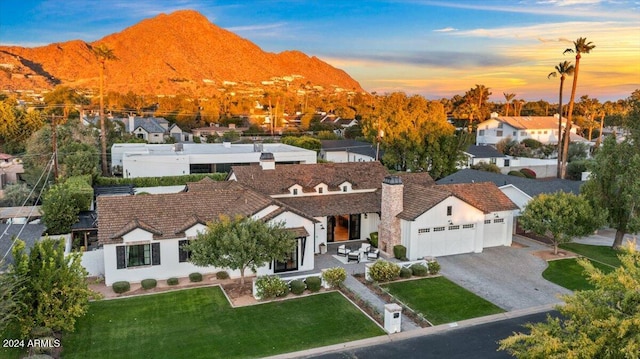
x=320, y=190
x=498, y=220
x=467, y=226
x=184, y=255
x=449, y=210
x=481, y=133
x=515, y=133
x=507, y=162
x=499, y=133
x=424, y=230
x=500, y=125
x=137, y=255
x=295, y=191
x=290, y=263
x=487, y=221
x=344, y=188
x=523, y=133
x=438, y=229
x=453, y=228
x=545, y=132
x=492, y=160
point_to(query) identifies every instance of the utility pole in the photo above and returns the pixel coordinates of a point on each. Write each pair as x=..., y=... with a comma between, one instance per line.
x=54, y=141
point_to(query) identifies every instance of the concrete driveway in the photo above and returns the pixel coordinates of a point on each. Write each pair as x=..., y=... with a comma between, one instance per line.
x=509, y=277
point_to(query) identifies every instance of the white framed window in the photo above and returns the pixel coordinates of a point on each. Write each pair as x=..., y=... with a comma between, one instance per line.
x=467, y=226
x=498, y=220
x=481, y=133
x=487, y=221
x=453, y=228
x=438, y=229
x=424, y=230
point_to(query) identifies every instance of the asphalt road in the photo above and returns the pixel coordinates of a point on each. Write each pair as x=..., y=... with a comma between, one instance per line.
x=478, y=341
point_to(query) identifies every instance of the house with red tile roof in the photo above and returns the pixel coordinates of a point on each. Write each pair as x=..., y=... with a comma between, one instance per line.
x=540, y=128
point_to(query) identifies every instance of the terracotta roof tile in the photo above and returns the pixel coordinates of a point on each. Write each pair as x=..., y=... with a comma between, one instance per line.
x=334, y=204
x=530, y=122
x=485, y=196
x=419, y=199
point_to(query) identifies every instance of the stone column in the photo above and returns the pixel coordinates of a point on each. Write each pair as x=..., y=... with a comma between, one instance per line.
x=391, y=205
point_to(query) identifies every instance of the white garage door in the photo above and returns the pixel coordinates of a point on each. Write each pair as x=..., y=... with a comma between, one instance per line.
x=494, y=233
x=448, y=240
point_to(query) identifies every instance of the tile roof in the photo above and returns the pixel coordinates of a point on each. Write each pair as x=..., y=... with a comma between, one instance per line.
x=335, y=204
x=531, y=187
x=530, y=122
x=361, y=175
x=165, y=214
x=419, y=178
x=419, y=199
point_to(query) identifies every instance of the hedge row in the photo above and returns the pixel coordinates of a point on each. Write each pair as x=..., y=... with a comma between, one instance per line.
x=157, y=181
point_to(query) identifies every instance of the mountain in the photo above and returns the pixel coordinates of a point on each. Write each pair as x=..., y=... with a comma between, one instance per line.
x=167, y=54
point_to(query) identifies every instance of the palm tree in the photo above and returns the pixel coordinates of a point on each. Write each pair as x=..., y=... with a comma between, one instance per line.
x=581, y=47
x=508, y=97
x=103, y=54
x=563, y=69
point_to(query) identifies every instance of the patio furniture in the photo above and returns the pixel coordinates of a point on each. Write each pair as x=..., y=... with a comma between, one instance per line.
x=364, y=247
x=353, y=256
x=373, y=253
x=343, y=250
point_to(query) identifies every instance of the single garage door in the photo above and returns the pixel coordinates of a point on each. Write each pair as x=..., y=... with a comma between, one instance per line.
x=447, y=240
x=494, y=233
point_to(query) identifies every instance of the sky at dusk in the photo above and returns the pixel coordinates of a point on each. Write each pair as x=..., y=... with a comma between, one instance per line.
x=433, y=48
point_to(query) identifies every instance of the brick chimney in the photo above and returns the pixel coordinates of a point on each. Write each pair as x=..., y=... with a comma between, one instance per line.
x=267, y=161
x=391, y=205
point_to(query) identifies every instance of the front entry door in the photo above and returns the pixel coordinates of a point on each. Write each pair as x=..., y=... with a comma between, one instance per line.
x=331, y=224
x=354, y=226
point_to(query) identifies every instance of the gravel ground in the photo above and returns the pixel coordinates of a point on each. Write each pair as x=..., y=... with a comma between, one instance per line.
x=509, y=277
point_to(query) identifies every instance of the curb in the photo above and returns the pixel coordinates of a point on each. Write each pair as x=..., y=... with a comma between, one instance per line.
x=384, y=339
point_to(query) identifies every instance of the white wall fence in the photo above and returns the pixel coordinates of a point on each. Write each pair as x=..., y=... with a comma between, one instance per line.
x=288, y=280
x=93, y=262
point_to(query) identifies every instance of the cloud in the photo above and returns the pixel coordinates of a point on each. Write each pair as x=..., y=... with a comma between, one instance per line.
x=446, y=29
x=569, y=2
x=448, y=59
x=251, y=28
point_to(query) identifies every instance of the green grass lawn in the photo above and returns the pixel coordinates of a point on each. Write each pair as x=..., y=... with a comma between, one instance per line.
x=440, y=300
x=200, y=323
x=569, y=274
x=598, y=253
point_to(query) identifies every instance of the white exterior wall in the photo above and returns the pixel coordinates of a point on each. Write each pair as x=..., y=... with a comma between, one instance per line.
x=542, y=167
x=154, y=166
x=93, y=262
x=369, y=225
x=499, y=231
x=490, y=128
x=516, y=196
x=344, y=156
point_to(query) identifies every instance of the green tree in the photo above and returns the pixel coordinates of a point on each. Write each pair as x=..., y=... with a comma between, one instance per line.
x=581, y=46
x=241, y=243
x=614, y=185
x=79, y=159
x=561, y=216
x=62, y=203
x=16, y=126
x=563, y=69
x=598, y=323
x=55, y=292
x=306, y=142
x=10, y=303
x=17, y=194
x=103, y=53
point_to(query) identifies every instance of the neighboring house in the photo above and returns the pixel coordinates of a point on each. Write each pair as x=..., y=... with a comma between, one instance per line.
x=541, y=128
x=443, y=219
x=214, y=130
x=155, y=160
x=20, y=215
x=142, y=235
x=348, y=151
x=519, y=190
x=10, y=170
x=348, y=201
x=178, y=135
x=150, y=129
x=29, y=233
x=487, y=154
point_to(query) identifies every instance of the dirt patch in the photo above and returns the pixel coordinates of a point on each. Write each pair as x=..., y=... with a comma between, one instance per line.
x=239, y=295
x=548, y=255
x=515, y=244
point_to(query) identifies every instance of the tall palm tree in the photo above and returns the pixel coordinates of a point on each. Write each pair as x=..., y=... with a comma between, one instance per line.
x=508, y=97
x=581, y=46
x=563, y=69
x=103, y=54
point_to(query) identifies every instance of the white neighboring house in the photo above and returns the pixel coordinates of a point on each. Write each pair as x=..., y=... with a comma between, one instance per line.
x=487, y=154
x=444, y=219
x=142, y=235
x=156, y=160
x=541, y=128
x=348, y=151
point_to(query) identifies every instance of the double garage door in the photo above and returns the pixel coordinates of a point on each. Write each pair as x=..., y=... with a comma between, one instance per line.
x=444, y=241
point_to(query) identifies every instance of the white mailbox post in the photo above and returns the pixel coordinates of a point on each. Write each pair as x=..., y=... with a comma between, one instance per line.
x=392, y=318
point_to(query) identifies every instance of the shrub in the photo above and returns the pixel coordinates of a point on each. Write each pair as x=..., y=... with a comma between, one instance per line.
x=405, y=272
x=271, y=286
x=313, y=283
x=222, y=275
x=531, y=143
x=487, y=167
x=575, y=169
x=399, y=251
x=383, y=271
x=149, y=283
x=419, y=270
x=516, y=174
x=121, y=287
x=528, y=173
x=334, y=276
x=434, y=267
x=173, y=281
x=374, y=239
x=195, y=277
x=297, y=286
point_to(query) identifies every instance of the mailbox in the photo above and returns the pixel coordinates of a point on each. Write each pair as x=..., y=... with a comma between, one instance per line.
x=392, y=318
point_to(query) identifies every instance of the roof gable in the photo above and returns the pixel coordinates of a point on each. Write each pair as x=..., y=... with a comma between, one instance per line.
x=529, y=122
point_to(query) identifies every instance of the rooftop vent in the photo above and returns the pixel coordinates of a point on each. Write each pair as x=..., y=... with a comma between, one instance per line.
x=392, y=180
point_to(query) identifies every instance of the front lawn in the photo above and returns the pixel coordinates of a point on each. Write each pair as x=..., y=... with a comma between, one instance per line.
x=440, y=300
x=200, y=323
x=602, y=254
x=569, y=274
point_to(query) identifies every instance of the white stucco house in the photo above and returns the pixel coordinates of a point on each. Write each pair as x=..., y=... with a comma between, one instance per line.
x=156, y=160
x=348, y=151
x=541, y=128
x=141, y=236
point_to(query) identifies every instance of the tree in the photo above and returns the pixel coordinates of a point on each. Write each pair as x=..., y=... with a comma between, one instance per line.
x=10, y=304
x=581, y=47
x=614, y=185
x=306, y=142
x=598, y=323
x=17, y=194
x=508, y=97
x=16, y=126
x=62, y=203
x=562, y=216
x=103, y=54
x=241, y=243
x=54, y=292
x=563, y=69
